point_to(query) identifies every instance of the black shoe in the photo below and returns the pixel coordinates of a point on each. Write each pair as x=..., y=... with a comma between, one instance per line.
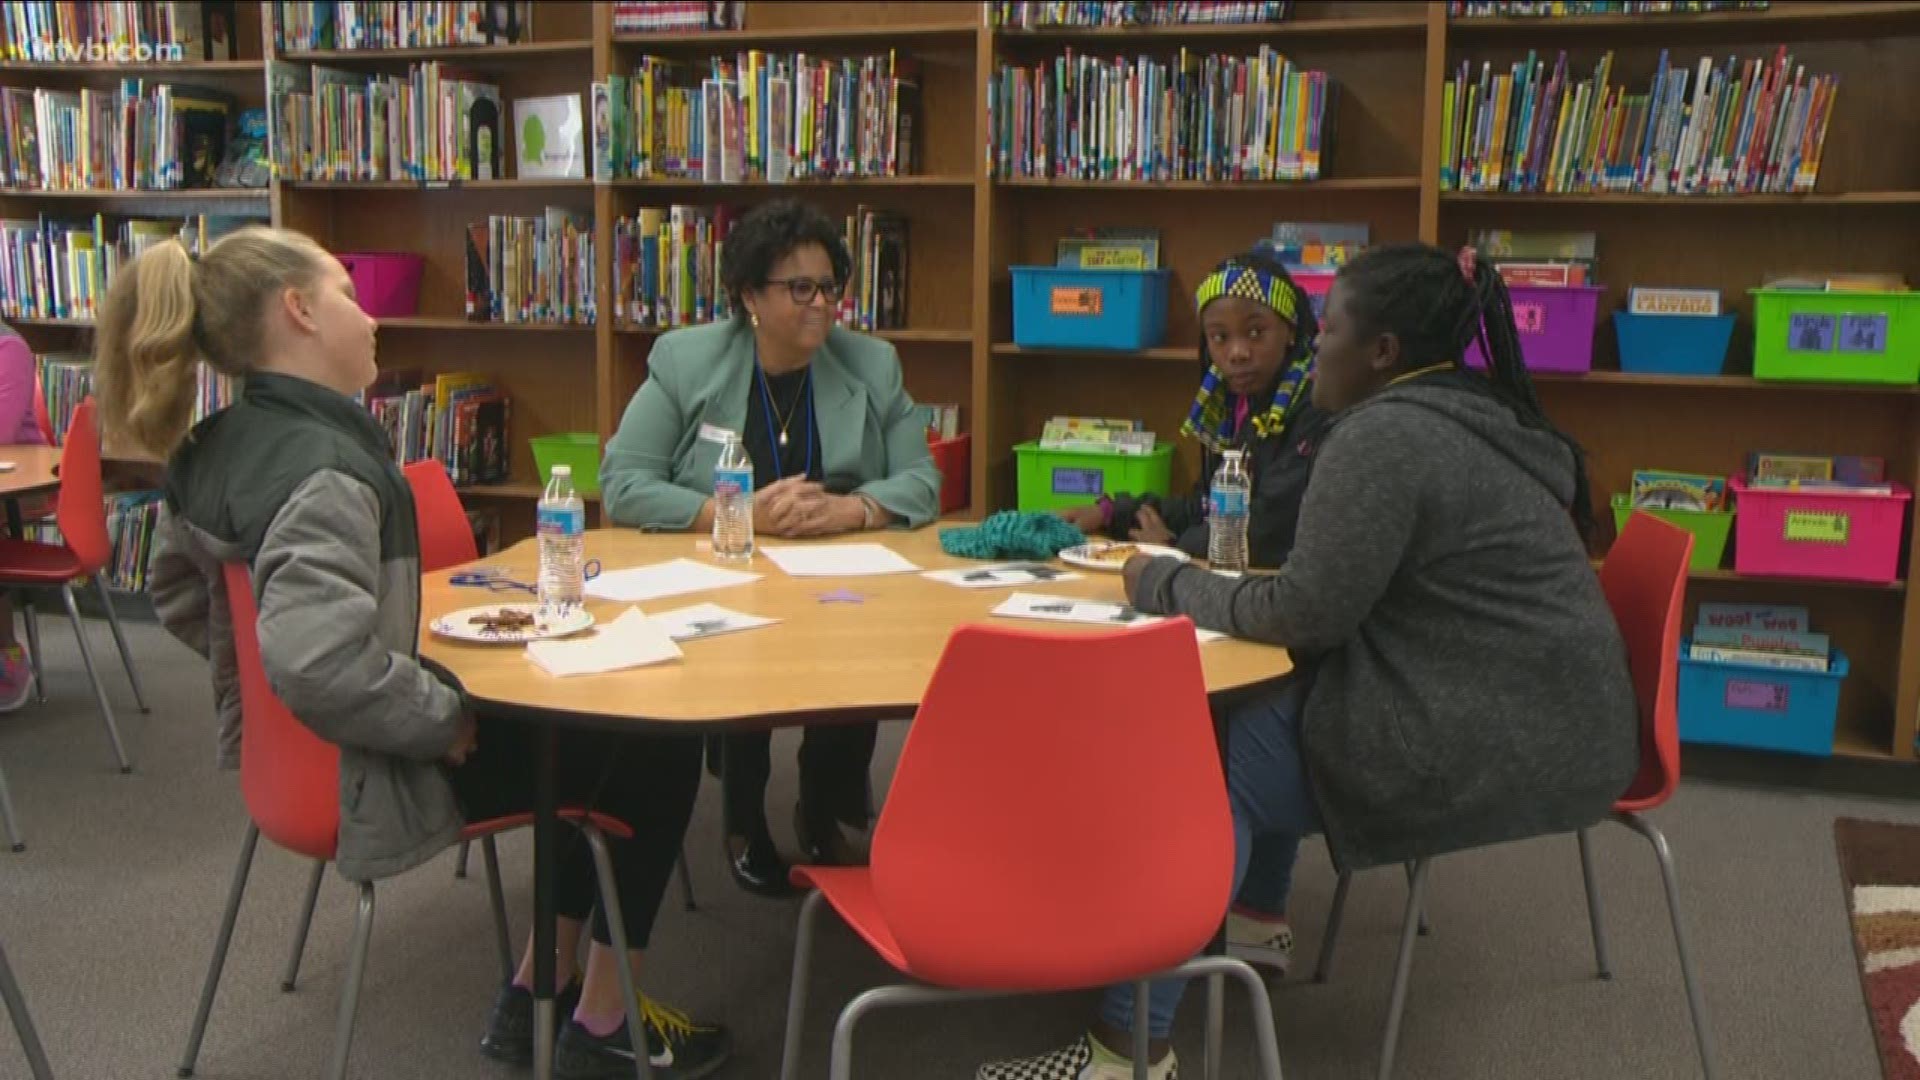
x=758, y=867
x=509, y=1036
x=679, y=1049
x=822, y=843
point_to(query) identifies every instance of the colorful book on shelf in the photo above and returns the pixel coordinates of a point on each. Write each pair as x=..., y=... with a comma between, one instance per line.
x=1114, y=248
x=1737, y=616
x=1759, y=635
x=1018, y=14
x=633, y=17
x=1660, y=489
x=1481, y=9
x=316, y=25
x=1318, y=245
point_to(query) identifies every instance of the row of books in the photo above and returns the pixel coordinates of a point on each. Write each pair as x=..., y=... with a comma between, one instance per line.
x=942, y=419
x=59, y=269
x=47, y=32
x=430, y=124
x=1736, y=127
x=459, y=419
x=66, y=379
x=666, y=264
x=300, y=25
x=132, y=520
x=141, y=136
x=1033, y=16
x=1097, y=434
x=532, y=269
x=1213, y=117
x=1480, y=9
x=1766, y=635
x=758, y=116
x=641, y=17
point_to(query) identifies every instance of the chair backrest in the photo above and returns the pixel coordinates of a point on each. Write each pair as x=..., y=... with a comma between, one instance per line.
x=1059, y=816
x=289, y=777
x=42, y=419
x=446, y=539
x=81, y=509
x=1645, y=579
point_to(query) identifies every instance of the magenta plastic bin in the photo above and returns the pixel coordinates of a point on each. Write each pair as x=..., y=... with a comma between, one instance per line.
x=387, y=282
x=1556, y=327
x=1840, y=535
x=1316, y=284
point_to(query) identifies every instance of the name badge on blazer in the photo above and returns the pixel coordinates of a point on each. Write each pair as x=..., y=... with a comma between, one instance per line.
x=713, y=433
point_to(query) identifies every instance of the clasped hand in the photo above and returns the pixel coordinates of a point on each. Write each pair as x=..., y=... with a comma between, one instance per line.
x=797, y=507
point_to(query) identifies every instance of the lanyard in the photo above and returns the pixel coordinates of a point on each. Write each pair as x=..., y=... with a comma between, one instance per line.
x=773, y=436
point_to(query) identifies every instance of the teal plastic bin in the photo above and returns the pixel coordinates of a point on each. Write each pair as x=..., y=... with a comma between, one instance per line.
x=1116, y=310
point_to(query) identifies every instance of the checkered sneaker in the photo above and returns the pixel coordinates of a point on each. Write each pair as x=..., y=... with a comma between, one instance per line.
x=1264, y=944
x=1076, y=1061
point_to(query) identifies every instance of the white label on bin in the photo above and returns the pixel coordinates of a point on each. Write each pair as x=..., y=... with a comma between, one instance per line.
x=1809, y=331
x=1863, y=333
x=1756, y=696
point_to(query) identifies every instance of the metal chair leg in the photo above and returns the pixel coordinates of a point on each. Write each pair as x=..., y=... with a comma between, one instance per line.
x=220, y=943
x=617, y=930
x=292, y=977
x=93, y=676
x=1265, y=1039
x=686, y=880
x=14, y=838
x=32, y=620
x=350, y=993
x=1323, y=969
x=1216, y=1026
x=1694, y=1002
x=460, y=861
x=120, y=640
x=810, y=910
x=1403, y=967
x=1142, y=1037
x=1600, y=964
x=23, y=1022
x=497, y=899
x=1425, y=927
x=840, y=1065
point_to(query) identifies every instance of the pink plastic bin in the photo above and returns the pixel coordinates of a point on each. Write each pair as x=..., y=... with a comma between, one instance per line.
x=1316, y=284
x=388, y=282
x=1556, y=327
x=1819, y=534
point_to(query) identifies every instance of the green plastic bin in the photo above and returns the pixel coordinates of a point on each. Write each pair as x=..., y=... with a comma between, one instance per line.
x=1059, y=479
x=1856, y=337
x=579, y=450
x=1709, y=529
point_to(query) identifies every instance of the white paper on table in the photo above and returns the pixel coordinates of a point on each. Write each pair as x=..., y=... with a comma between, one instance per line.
x=707, y=620
x=1000, y=575
x=1097, y=612
x=839, y=560
x=638, y=583
x=630, y=641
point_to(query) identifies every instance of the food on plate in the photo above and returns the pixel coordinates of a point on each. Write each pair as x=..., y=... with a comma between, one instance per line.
x=504, y=621
x=1112, y=554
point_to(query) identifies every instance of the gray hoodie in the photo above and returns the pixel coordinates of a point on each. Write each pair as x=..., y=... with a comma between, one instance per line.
x=1471, y=685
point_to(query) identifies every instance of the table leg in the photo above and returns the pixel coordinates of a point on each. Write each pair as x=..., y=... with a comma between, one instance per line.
x=545, y=844
x=16, y=525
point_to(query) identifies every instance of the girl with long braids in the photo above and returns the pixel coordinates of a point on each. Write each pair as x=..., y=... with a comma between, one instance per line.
x=1470, y=685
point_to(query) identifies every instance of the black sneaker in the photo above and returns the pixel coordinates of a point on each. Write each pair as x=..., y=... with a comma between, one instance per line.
x=509, y=1036
x=680, y=1048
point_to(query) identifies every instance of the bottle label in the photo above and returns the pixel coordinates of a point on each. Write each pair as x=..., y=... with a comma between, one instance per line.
x=562, y=521
x=1224, y=503
x=732, y=482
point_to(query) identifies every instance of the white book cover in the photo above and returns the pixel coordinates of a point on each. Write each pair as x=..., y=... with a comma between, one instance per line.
x=550, y=138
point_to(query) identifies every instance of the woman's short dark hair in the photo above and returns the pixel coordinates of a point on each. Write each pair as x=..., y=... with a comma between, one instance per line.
x=770, y=232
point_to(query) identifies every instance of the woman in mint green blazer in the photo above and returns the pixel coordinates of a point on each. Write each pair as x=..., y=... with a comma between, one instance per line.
x=837, y=447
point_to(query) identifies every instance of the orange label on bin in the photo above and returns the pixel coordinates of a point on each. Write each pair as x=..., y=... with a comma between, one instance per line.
x=1076, y=300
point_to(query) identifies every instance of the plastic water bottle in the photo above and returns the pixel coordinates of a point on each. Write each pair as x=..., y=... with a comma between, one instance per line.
x=733, y=503
x=562, y=526
x=1227, y=512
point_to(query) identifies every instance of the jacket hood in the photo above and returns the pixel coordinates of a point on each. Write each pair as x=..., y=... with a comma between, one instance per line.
x=1479, y=415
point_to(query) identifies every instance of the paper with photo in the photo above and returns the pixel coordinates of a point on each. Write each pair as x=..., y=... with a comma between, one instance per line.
x=838, y=560
x=1071, y=609
x=636, y=584
x=707, y=620
x=630, y=641
x=1001, y=575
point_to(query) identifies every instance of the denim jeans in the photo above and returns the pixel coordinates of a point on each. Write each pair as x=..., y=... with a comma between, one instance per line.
x=1272, y=809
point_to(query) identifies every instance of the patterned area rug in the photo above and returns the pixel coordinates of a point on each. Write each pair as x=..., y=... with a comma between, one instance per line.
x=1880, y=868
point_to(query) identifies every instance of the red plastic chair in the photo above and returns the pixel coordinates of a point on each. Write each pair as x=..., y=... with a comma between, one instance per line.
x=290, y=780
x=1645, y=579
x=84, y=552
x=446, y=540
x=997, y=872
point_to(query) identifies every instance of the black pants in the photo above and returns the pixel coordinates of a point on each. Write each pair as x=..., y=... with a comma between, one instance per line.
x=835, y=762
x=647, y=781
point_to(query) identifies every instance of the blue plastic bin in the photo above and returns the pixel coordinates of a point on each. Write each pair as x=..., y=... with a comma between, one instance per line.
x=1760, y=708
x=1059, y=308
x=1673, y=344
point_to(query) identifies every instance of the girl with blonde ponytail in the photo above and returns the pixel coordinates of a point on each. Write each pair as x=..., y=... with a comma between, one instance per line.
x=297, y=480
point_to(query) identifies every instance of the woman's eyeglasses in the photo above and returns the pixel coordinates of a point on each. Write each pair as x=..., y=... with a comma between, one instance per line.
x=803, y=290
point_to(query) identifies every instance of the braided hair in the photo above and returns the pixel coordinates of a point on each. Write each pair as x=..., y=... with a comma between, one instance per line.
x=1438, y=306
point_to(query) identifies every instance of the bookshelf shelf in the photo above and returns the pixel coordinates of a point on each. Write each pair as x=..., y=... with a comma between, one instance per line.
x=1162, y=354
x=876, y=183
x=1371, y=31
x=75, y=324
x=1897, y=586
x=1410, y=184
x=450, y=324
x=907, y=36
x=898, y=337
x=1717, y=382
x=1797, y=20
x=429, y=186
x=1718, y=202
x=200, y=195
x=198, y=69
x=524, y=52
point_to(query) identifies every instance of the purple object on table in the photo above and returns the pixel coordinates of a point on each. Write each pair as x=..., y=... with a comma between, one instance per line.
x=840, y=596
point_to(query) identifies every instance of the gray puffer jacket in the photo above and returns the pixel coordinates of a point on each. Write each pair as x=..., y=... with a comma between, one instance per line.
x=297, y=481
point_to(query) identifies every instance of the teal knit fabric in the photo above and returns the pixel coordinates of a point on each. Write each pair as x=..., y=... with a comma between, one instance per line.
x=1010, y=534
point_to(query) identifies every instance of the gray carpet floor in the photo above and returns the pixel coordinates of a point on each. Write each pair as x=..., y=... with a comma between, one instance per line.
x=110, y=914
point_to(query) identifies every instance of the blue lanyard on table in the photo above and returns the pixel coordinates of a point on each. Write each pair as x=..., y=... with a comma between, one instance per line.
x=773, y=436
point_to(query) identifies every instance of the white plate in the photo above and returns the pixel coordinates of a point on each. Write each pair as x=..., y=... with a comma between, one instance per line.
x=460, y=627
x=1089, y=555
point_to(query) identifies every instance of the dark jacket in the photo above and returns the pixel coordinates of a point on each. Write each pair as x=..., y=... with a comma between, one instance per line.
x=298, y=481
x=1280, y=468
x=1472, y=686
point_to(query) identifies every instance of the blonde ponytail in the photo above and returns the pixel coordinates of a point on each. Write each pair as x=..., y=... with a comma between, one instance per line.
x=167, y=311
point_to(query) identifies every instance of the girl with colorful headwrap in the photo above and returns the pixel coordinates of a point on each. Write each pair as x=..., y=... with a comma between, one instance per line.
x=1256, y=357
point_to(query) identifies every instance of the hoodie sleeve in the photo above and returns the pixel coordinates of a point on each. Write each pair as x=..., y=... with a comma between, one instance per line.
x=1361, y=511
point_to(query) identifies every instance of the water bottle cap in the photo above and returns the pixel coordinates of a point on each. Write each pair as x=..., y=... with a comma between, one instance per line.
x=563, y=470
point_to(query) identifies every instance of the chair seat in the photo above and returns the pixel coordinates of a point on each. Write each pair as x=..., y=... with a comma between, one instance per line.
x=850, y=890
x=611, y=827
x=1635, y=804
x=25, y=562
